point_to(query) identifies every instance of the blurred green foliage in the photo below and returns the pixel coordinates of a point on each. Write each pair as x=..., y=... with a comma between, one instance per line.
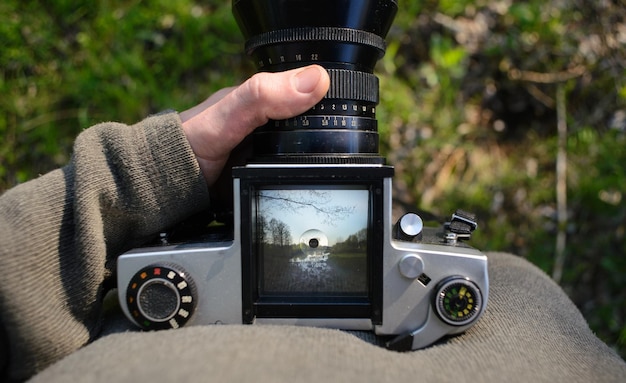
x=468, y=112
x=65, y=65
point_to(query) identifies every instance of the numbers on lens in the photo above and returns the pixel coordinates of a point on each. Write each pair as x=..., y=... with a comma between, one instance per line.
x=348, y=108
x=334, y=122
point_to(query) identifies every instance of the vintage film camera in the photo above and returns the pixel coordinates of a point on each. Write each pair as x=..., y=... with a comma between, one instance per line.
x=312, y=241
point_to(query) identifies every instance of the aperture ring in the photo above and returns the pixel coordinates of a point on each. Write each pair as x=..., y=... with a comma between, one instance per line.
x=316, y=34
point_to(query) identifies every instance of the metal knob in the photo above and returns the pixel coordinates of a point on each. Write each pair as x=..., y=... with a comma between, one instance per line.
x=160, y=297
x=409, y=227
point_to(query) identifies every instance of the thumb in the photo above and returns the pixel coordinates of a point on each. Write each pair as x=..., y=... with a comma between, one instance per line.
x=216, y=130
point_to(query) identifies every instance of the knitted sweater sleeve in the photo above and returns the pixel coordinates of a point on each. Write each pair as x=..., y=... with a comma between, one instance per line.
x=61, y=233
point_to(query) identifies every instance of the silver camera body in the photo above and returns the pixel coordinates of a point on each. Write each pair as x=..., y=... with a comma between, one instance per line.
x=312, y=241
x=338, y=262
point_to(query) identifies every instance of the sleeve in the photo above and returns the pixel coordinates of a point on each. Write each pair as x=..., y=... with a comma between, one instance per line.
x=60, y=234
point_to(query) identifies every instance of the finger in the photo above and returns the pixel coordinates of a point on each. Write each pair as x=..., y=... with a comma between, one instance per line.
x=278, y=96
x=214, y=98
x=264, y=96
x=215, y=131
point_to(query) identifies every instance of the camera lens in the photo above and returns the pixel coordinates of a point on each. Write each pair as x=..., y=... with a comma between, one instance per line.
x=344, y=36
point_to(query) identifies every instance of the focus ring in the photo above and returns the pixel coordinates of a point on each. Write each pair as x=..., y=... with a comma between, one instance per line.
x=352, y=85
x=316, y=34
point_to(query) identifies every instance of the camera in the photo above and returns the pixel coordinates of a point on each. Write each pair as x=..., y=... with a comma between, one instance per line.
x=310, y=239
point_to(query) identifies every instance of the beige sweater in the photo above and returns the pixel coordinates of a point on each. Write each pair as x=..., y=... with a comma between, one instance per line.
x=60, y=233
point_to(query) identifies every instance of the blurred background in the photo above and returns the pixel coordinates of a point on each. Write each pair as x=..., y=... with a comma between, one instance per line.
x=515, y=110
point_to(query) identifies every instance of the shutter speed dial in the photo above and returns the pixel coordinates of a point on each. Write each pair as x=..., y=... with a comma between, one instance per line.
x=161, y=297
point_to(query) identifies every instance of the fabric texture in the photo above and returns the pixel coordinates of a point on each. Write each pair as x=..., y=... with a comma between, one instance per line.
x=60, y=233
x=530, y=332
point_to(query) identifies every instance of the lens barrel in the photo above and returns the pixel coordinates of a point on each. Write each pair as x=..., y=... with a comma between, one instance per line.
x=344, y=36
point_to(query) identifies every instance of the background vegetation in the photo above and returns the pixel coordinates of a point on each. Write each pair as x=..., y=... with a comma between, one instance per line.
x=480, y=101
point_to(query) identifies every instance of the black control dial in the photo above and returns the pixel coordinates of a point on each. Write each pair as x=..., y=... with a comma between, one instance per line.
x=458, y=301
x=161, y=297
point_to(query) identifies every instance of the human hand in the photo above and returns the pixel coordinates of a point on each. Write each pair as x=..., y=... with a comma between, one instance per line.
x=222, y=121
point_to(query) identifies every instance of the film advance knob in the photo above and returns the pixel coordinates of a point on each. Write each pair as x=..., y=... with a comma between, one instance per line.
x=160, y=297
x=409, y=227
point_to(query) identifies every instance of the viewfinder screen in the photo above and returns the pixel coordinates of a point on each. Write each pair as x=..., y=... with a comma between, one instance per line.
x=312, y=241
